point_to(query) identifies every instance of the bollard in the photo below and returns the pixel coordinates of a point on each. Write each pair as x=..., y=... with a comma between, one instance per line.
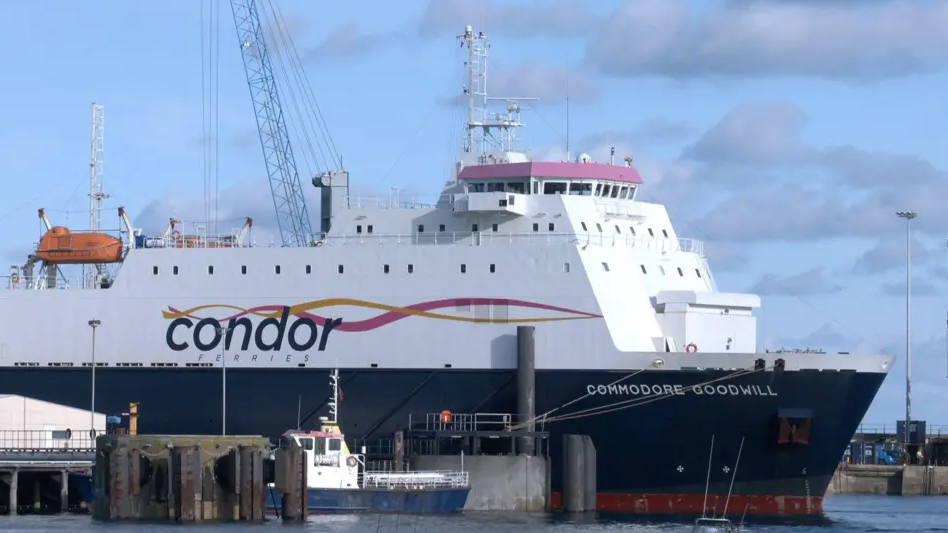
x=574, y=463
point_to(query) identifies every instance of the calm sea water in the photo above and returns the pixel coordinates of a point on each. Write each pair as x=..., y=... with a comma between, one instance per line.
x=870, y=514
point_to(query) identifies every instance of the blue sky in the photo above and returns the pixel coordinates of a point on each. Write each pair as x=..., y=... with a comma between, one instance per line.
x=785, y=133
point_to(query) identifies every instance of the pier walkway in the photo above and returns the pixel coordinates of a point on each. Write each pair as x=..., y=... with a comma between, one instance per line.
x=35, y=467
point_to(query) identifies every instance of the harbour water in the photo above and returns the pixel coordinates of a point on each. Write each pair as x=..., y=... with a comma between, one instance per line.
x=870, y=514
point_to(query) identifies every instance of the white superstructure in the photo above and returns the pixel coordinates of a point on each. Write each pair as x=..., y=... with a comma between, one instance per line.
x=566, y=246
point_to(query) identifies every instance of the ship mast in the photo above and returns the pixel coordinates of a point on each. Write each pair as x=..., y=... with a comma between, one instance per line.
x=96, y=190
x=334, y=401
x=479, y=118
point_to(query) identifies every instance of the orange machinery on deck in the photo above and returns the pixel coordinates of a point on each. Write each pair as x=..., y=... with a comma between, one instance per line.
x=61, y=246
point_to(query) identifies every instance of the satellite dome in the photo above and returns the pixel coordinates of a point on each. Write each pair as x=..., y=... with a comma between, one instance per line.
x=584, y=158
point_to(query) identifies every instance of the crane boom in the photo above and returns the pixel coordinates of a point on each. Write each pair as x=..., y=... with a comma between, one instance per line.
x=288, y=201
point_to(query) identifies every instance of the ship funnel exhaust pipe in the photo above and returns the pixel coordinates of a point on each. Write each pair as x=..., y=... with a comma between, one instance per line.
x=526, y=386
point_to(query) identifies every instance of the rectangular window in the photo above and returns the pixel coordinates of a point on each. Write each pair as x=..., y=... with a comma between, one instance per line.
x=536, y=227
x=680, y=272
x=385, y=269
x=583, y=224
x=619, y=231
x=643, y=269
x=309, y=269
x=651, y=233
x=421, y=228
x=665, y=232
x=340, y=269
x=492, y=268
x=566, y=267
x=493, y=227
x=359, y=228
x=174, y=270
x=276, y=269
x=243, y=269
x=474, y=228
x=210, y=269
x=411, y=268
x=463, y=269
x=368, y=228
x=154, y=270
x=441, y=228
x=599, y=227
x=550, y=226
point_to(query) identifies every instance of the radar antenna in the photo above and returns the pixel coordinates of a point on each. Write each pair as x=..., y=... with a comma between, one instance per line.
x=479, y=117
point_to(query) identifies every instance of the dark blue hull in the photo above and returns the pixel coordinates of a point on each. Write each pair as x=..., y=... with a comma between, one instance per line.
x=433, y=501
x=652, y=450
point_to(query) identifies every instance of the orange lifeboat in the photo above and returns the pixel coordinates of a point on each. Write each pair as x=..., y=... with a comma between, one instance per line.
x=61, y=246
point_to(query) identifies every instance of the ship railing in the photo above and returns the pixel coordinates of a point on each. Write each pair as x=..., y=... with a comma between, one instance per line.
x=393, y=201
x=468, y=422
x=931, y=430
x=46, y=440
x=414, y=480
x=379, y=446
x=499, y=238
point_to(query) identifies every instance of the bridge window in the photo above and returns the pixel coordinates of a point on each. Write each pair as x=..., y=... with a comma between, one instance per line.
x=385, y=269
x=307, y=444
x=536, y=226
x=681, y=272
x=335, y=445
x=517, y=187
x=463, y=268
x=475, y=187
x=210, y=269
x=665, y=232
x=495, y=187
x=421, y=228
x=550, y=227
x=623, y=192
x=276, y=269
x=605, y=190
x=243, y=269
x=581, y=189
x=320, y=447
x=359, y=228
x=154, y=270
x=174, y=270
x=614, y=193
x=368, y=228
x=553, y=187
x=441, y=228
x=340, y=269
x=698, y=272
x=598, y=189
x=536, y=187
x=651, y=233
x=643, y=269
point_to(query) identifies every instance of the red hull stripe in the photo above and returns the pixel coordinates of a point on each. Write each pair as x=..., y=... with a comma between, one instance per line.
x=692, y=504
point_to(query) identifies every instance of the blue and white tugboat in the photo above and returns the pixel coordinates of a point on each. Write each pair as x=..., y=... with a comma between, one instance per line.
x=338, y=481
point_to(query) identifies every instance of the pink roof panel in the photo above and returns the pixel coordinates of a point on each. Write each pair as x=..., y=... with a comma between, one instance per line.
x=551, y=170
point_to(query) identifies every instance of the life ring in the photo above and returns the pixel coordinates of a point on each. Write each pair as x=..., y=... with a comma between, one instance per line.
x=691, y=348
x=176, y=235
x=351, y=461
x=318, y=244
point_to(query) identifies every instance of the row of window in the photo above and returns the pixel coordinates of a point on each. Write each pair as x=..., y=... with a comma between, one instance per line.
x=536, y=227
x=411, y=269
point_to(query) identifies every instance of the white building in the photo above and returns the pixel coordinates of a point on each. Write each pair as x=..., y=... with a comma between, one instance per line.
x=30, y=424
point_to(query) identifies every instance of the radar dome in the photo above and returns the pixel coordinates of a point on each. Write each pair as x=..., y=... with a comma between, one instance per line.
x=584, y=158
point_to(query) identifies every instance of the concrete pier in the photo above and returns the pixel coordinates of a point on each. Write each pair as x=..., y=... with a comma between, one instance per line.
x=38, y=487
x=187, y=478
x=894, y=480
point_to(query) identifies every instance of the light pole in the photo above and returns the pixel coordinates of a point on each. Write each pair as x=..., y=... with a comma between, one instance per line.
x=222, y=331
x=94, y=323
x=908, y=216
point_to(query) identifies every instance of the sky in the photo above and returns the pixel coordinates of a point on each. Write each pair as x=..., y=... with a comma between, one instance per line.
x=786, y=134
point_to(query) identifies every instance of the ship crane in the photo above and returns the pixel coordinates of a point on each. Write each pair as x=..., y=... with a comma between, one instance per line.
x=288, y=201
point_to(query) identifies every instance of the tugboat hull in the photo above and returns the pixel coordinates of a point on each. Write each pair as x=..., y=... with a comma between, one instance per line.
x=372, y=500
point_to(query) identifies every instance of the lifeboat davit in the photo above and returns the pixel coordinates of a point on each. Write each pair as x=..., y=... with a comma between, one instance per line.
x=61, y=246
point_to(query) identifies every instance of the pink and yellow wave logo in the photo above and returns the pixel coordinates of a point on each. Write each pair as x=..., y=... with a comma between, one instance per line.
x=391, y=313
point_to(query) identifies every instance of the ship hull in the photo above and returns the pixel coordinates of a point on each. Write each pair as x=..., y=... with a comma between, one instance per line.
x=328, y=501
x=652, y=449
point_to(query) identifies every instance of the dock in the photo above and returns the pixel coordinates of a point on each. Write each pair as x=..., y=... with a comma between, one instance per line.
x=35, y=468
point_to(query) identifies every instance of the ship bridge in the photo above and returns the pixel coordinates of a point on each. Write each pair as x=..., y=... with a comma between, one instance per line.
x=508, y=187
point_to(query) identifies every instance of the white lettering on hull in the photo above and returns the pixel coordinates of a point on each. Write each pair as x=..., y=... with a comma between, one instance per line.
x=679, y=390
